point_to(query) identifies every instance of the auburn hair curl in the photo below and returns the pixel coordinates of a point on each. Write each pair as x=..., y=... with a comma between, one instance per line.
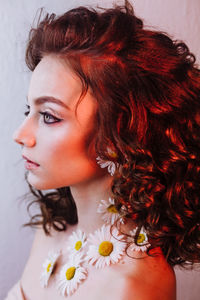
x=147, y=87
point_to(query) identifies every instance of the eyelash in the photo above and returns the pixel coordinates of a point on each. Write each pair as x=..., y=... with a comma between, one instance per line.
x=45, y=114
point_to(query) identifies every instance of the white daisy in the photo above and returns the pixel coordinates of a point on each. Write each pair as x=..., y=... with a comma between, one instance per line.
x=76, y=242
x=104, y=248
x=142, y=240
x=107, y=164
x=71, y=275
x=48, y=267
x=109, y=211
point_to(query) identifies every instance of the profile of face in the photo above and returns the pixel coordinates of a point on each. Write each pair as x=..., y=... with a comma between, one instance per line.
x=56, y=140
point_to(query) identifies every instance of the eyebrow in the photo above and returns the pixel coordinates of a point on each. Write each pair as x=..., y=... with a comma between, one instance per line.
x=48, y=99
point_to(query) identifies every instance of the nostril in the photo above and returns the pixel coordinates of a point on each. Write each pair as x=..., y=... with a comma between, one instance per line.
x=23, y=137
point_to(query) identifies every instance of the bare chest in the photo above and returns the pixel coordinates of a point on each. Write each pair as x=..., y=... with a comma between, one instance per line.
x=105, y=283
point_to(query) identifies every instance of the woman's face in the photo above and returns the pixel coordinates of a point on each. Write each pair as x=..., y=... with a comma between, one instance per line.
x=57, y=142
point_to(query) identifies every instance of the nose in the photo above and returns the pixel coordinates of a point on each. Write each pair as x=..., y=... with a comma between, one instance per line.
x=24, y=136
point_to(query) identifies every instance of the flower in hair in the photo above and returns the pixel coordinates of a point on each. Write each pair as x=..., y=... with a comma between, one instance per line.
x=76, y=242
x=109, y=211
x=107, y=164
x=142, y=240
x=71, y=275
x=104, y=248
x=48, y=267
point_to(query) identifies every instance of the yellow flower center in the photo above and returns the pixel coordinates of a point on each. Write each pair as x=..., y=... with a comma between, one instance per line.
x=113, y=154
x=141, y=238
x=78, y=245
x=112, y=209
x=70, y=273
x=48, y=267
x=105, y=248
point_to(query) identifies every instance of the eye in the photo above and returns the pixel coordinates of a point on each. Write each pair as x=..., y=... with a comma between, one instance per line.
x=46, y=116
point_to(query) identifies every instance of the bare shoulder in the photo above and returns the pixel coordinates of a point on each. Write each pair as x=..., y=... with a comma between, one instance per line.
x=151, y=278
x=35, y=254
x=41, y=245
x=44, y=241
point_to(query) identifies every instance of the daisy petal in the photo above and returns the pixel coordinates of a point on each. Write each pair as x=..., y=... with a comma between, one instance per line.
x=109, y=250
x=71, y=275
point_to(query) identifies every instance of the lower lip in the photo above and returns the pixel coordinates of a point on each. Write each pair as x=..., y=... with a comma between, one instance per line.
x=30, y=165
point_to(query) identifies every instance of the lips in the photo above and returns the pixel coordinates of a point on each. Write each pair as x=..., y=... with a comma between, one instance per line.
x=30, y=161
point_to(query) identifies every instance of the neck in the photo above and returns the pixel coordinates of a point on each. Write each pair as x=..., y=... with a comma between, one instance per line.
x=87, y=198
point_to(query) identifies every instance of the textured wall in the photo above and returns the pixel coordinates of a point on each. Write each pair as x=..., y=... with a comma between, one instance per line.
x=178, y=17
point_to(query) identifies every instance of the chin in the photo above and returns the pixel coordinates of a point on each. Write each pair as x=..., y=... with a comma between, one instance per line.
x=41, y=185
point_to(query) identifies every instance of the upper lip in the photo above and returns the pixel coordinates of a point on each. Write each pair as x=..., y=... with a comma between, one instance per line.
x=25, y=157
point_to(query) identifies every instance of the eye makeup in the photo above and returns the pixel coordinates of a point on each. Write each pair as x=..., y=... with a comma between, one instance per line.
x=45, y=115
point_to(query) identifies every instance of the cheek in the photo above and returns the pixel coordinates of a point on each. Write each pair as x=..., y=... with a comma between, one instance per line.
x=68, y=163
x=65, y=145
x=64, y=159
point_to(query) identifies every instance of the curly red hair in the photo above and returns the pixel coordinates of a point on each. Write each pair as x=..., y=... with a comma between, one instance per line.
x=148, y=91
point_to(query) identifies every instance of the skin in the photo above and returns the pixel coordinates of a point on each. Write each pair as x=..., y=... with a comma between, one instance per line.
x=150, y=278
x=60, y=150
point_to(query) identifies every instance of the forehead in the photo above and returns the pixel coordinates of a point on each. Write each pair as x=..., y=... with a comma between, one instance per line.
x=53, y=77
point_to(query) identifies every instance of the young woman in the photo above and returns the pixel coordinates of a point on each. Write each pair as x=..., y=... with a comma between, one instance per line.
x=113, y=126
